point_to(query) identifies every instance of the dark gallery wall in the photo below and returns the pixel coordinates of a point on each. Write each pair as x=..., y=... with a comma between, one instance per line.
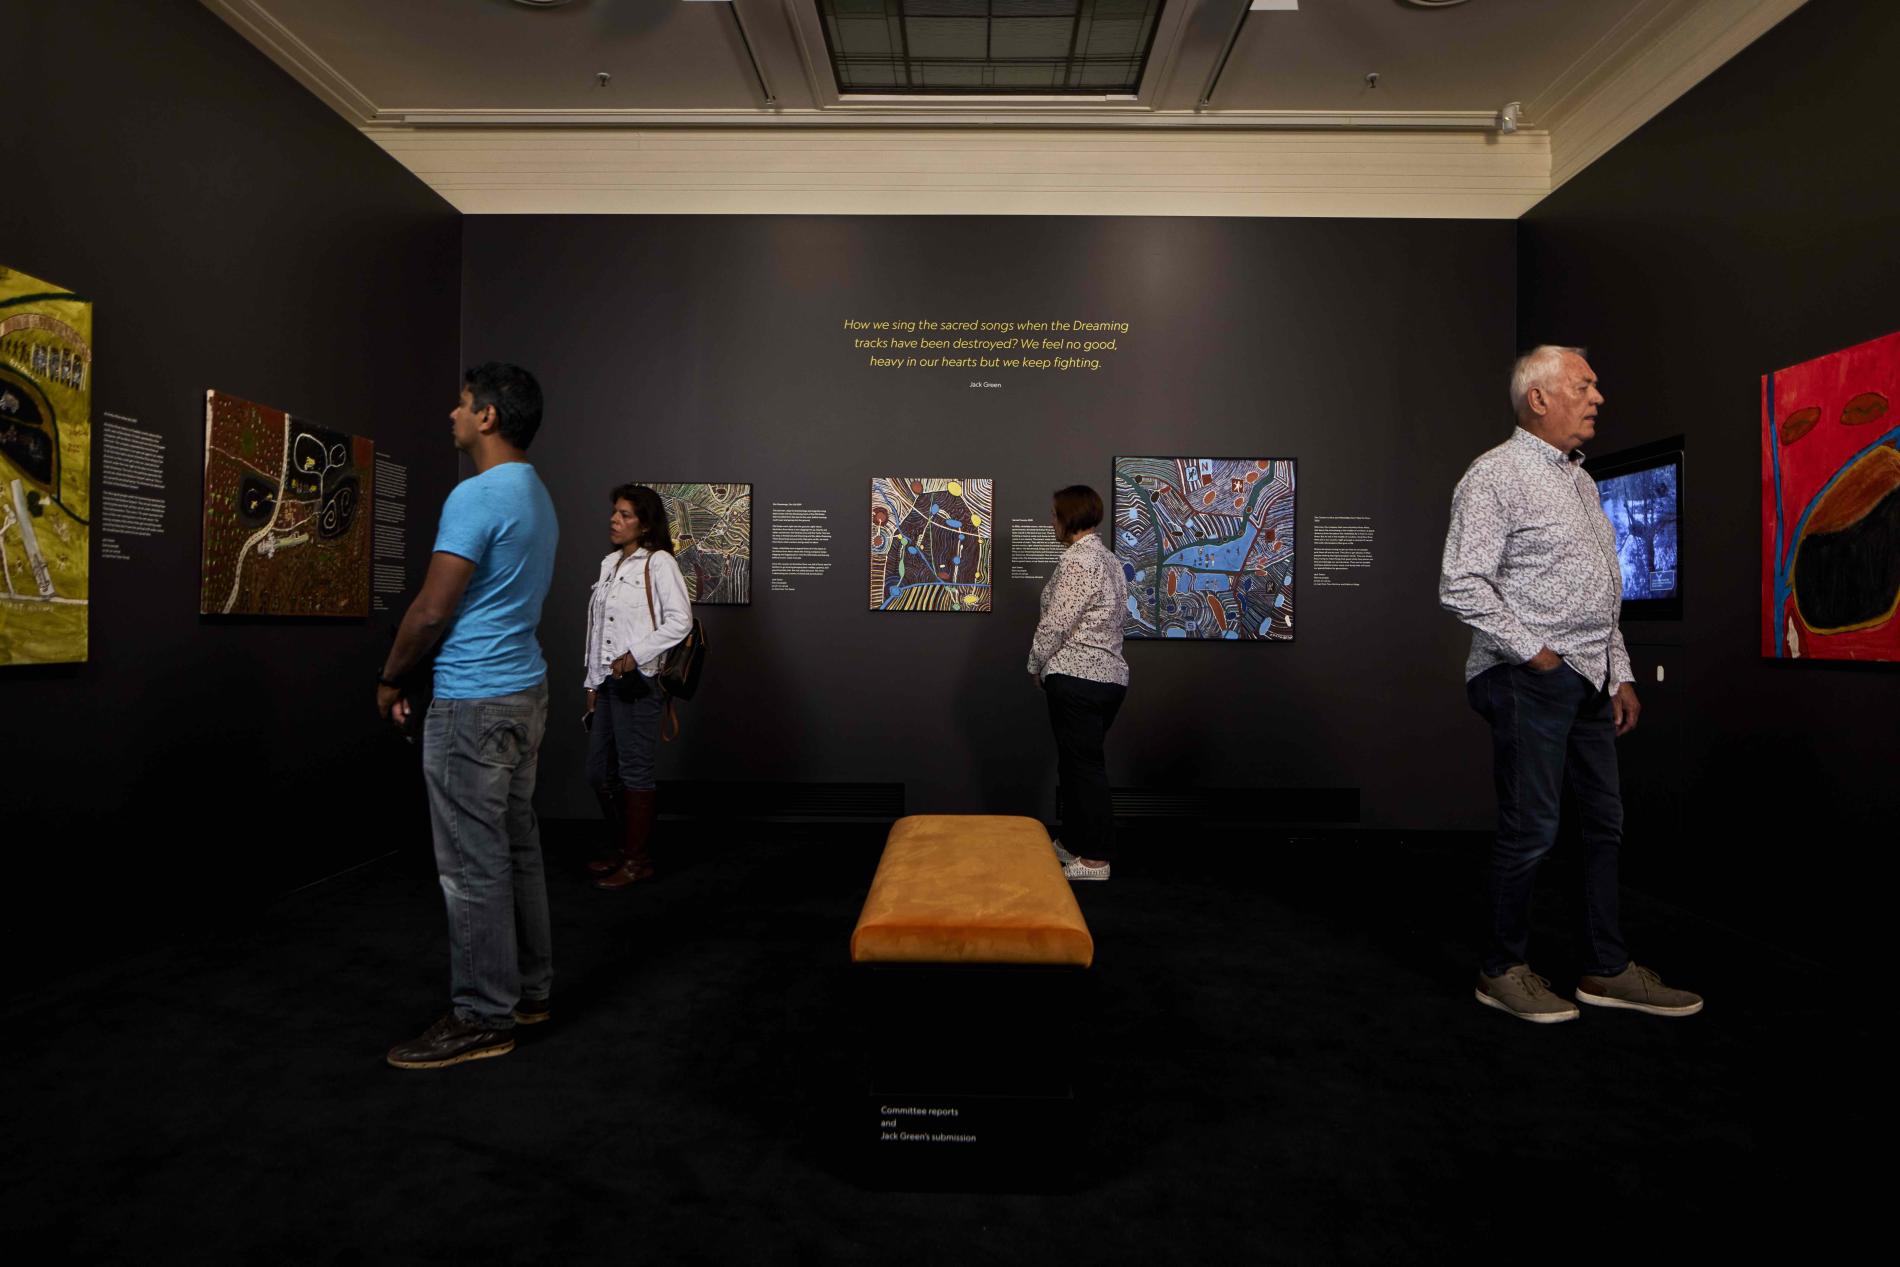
x=1374, y=352
x=233, y=233
x=1749, y=227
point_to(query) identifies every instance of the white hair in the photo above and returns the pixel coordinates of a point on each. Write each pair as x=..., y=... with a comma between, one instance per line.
x=1538, y=367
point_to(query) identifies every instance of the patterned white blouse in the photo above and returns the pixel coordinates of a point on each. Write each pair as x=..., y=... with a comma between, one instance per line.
x=1530, y=562
x=1083, y=605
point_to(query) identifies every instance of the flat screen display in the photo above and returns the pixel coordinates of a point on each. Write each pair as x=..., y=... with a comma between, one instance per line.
x=1642, y=508
x=1641, y=493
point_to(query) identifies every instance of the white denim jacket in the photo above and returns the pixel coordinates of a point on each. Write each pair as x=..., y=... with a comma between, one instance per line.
x=617, y=619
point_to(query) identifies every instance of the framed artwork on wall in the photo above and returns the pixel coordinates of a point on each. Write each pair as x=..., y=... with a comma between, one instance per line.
x=712, y=538
x=286, y=514
x=45, y=471
x=1208, y=547
x=1830, y=484
x=931, y=543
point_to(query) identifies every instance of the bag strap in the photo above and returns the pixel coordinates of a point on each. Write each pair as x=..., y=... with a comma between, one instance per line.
x=672, y=717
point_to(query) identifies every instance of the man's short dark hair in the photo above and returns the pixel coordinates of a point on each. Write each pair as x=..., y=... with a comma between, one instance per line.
x=515, y=396
x=1079, y=507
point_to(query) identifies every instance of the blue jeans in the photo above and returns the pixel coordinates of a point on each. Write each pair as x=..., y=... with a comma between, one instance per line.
x=479, y=759
x=625, y=733
x=1553, y=749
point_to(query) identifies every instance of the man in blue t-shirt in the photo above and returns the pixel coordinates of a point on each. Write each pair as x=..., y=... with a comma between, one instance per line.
x=494, y=555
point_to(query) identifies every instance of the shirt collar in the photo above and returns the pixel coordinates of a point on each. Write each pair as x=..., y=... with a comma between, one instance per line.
x=1544, y=448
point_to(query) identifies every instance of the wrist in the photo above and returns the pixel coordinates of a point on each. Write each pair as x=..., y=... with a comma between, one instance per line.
x=383, y=681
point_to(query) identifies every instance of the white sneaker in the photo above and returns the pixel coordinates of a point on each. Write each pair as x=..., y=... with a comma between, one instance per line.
x=1063, y=856
x=1077, y=870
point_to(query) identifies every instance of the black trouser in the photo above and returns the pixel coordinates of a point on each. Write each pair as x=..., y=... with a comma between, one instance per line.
x=1553, y=745
x=1080, y=713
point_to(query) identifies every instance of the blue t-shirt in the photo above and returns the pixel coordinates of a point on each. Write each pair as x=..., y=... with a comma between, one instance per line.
x=503, y=522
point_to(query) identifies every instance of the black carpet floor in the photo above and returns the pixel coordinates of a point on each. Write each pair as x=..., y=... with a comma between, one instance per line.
x=1286, y=1066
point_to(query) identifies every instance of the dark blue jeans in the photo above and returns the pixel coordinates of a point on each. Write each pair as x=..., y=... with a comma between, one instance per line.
x=1080, y=713
x=626, y=732
x=1553, y=747
x=479, y=759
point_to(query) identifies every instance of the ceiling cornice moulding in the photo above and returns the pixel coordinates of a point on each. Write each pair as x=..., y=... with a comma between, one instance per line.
x=1687, y=42
x=969, y=117
x=1378, y=163
x=949, y=172
x=298, y=59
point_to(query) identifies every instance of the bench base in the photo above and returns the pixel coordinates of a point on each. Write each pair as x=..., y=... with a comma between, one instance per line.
x=968, y=1082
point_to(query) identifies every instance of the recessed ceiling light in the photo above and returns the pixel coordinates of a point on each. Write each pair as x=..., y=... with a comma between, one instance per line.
x=542, y=4
x=1431, y=4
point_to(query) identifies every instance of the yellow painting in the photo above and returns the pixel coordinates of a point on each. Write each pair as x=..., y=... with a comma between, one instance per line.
x=45, y=470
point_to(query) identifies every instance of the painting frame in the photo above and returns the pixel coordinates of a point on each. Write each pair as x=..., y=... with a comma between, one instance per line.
x=1285, y=589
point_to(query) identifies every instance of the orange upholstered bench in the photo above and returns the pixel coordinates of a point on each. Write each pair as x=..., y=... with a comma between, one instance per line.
x=971, y=975
x=970, y=889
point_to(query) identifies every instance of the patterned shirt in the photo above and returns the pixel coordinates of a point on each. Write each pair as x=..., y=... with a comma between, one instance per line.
x=1083, y=605
x=1530, y=562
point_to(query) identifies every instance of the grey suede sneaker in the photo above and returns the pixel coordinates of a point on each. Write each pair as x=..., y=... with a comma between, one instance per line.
x=1640, y=990
x=1525, y=995
x=1063, y=856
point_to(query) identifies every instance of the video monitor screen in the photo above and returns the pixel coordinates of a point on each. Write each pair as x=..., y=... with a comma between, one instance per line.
x=1641, y=491
x=1643, y=508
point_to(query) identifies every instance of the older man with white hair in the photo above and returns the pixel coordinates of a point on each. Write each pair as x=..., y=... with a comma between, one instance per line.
x=1531, y=565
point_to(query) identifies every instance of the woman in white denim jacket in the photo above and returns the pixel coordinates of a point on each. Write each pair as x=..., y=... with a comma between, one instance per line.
x=639, y=608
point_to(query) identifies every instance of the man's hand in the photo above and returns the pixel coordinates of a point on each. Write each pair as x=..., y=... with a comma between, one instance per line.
x=1624, y=707
x=1544, y=661
x=391, y=704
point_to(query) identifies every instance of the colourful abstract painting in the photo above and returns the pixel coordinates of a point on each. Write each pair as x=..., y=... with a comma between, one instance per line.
x=287, y=514
x=1830, y=476
x=45, y=470
x=712, y=538
x=1207, y=546
x=930, y=544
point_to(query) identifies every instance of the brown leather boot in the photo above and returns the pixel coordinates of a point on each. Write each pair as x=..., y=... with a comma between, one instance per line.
x=638, y=809
x=608, y=794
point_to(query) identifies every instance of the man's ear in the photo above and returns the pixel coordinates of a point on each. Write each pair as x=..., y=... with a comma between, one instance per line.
x=1538, y=401
x=486, y=421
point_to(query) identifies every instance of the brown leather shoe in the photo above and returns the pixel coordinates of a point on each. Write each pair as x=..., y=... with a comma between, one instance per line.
x=621, y=878
x=450, y=1042
x=637, y=809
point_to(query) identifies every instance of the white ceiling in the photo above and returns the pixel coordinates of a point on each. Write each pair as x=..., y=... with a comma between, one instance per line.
x=733, y=83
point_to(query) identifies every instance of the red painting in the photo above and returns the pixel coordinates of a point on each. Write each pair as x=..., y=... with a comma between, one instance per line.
x=1830, y=493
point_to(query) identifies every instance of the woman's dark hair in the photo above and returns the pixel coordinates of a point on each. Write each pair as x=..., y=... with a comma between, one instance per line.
x=1079, y=508
x=655, y=532
x=515, y=396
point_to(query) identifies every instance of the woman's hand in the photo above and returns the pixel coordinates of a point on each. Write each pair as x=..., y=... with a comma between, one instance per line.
x=591, y=696
x=623, y=664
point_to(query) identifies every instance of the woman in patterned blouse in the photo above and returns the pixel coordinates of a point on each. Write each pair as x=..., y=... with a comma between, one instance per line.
x=1077, y=656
